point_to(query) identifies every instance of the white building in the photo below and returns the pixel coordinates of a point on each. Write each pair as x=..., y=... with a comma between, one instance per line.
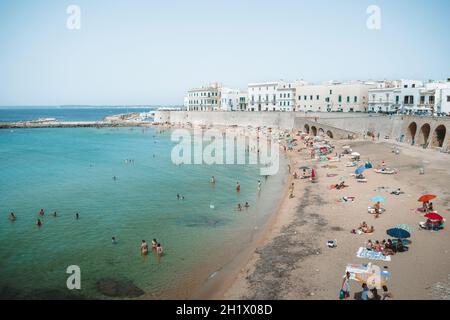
x=262, y=96
x=285, y=97
x=232, y=99
x=333, y=97
x=410, y=96
x=205, y=98
x=385, y=97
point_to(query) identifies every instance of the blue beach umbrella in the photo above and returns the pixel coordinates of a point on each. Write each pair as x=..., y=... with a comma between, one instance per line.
x=398, y=233
x=360, y=170
x=377, y=198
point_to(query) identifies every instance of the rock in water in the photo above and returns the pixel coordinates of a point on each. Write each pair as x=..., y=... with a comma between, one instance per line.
x=118, y=288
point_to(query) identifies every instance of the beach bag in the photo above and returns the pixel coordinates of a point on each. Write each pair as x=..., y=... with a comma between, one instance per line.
x=341, y=294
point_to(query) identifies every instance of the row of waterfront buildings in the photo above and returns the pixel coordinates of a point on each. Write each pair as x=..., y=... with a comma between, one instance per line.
x=387, y=96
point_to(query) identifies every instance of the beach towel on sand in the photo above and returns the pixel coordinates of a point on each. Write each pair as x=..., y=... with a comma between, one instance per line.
x=372, y=255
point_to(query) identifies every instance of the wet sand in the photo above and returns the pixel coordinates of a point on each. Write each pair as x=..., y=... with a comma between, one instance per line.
x=293, y=260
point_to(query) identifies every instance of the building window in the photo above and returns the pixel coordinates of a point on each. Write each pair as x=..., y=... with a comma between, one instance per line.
x=355, y=99
x=300, y=98
x=348, y=99
x=422, y=99
x=331, y=91
x=431, y=99
x=448, y=98
x=317, y=97
x=340, y=99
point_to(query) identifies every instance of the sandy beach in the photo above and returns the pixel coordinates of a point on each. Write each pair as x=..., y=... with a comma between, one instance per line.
x=293, y=260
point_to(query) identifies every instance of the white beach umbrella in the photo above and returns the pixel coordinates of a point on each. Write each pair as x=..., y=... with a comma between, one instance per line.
x=355, y=154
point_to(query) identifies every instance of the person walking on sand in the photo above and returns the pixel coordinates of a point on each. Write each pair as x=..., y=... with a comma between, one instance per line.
x=345, y=288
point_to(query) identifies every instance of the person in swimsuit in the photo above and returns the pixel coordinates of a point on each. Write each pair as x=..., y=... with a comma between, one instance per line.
x=238, y=187
x=247, y=205
x=213, y=180
x=12, y=216
x=77, y=216
x=54, y=214
x=346, y=285
x=239, y=207
x=114, y=241
x=159, y=249
x=144, y=248
x=41, y=212
x=39, y=222
x=154, y=244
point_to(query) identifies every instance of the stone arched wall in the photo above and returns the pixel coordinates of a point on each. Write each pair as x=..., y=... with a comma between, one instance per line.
x=424, y=134
x=438, y=136
x=411, y=133
x=330, y=134
x=314, y=131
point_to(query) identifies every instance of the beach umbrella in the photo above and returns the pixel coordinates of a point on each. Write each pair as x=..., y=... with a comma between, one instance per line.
x=434, y=216
x=426, y=197
x=355, y=154
x=346, y=147
x=304, y=168
x=360, y=170
x=398, y=233
x=378, y=198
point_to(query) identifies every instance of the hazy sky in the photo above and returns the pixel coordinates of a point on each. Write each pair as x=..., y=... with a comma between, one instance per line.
x=151, y=52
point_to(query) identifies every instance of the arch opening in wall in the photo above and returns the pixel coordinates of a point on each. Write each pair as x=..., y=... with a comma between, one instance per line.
x=321, y=131
x=411, y=132
x=307, y=128
x=314, y=131
x=330, y=134
x=438, y=136
x=424, y=134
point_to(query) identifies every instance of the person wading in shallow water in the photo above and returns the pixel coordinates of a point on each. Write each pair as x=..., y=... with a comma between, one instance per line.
x=238, y=187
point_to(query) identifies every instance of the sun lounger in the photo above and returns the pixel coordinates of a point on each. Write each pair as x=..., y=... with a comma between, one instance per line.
x=423, y=225
x=363, y=253
x=361, y=180
x=386, y=171
x=350, y=164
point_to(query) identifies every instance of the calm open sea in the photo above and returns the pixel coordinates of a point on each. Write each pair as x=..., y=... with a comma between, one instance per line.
x=71, y=170
x=63, y=114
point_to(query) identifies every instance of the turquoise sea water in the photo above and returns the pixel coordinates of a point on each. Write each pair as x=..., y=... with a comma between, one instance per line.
x=71, y=170
x=15, y=114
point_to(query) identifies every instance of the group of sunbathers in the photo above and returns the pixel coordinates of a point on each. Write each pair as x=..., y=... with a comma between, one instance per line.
x=364, y=228
x=339, y=186
x=388, y=248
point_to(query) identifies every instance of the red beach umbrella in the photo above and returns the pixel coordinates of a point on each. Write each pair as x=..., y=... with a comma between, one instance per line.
x=434, y=216
x=426, y=197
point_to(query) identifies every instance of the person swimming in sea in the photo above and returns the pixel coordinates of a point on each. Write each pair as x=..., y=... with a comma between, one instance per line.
x=239, y=207
x=247, y=205
x=213, y=180
x=39, y=222
x=77, y=216
x=159, y=249
x=12, y=216
x=113, y=240
x=178, y=196
x=144, y=248
x=115, y=178
x=154, y=244
x=41, y=212
x=238, y=187
x=54, y=214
